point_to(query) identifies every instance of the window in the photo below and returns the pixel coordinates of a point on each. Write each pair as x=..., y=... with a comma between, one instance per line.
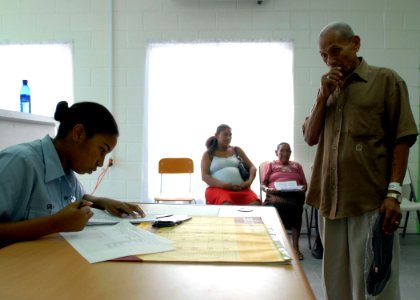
x=48, y=69
x=193, y=88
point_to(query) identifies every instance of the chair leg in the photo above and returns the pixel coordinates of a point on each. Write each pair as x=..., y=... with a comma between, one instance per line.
x=312, y=218
x=405, y=223
x=418, y=216
x=310, y=225
x=308, y=228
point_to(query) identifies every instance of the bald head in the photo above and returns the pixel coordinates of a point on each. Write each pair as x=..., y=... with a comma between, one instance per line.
x=340, y=29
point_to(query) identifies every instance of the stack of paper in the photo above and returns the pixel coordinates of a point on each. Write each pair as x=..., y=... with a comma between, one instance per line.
x=221, y=239
x=287, y=186
x=101, y=217
x=100, y=243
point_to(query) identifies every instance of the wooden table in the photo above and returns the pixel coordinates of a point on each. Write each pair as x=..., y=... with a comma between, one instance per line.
x=49, y=268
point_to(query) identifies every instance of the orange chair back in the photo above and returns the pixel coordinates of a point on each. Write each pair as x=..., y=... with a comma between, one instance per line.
x=176, y=165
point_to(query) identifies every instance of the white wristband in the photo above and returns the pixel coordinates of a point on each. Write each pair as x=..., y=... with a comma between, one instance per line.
x=395, y=186
x=395, y=196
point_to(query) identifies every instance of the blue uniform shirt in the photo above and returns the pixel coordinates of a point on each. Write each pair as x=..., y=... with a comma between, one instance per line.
x=33, y=183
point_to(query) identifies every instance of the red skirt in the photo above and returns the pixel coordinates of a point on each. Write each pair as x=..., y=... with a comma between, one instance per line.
x=218, y=196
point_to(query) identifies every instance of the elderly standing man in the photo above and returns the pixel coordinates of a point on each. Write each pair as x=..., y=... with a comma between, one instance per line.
x=363, y=127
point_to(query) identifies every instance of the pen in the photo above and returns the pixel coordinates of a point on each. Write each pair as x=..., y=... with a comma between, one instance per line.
x=163, y=216
x=161, y=224
x=80, y=205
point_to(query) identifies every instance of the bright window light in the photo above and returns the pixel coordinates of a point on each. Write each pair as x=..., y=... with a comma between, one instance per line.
x=193, y=88
x=48, y=69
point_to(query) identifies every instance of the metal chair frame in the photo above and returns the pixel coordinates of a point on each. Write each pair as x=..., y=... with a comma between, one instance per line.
x=175, y=165
x=409, y=203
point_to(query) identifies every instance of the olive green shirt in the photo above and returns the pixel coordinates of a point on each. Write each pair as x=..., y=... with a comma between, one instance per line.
x=363, y=121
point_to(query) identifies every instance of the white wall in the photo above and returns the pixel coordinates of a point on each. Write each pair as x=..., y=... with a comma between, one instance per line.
x=110, y=39
x=17, y=127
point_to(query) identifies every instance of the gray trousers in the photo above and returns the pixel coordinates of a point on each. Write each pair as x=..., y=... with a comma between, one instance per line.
x=343, y=266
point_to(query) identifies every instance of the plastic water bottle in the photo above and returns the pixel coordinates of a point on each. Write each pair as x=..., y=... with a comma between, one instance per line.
x=25, y=97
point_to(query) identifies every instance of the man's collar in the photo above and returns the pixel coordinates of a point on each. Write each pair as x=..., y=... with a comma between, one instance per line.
x=362, y=70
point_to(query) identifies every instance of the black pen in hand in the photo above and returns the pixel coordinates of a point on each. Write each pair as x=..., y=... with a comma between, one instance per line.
x=83, y=203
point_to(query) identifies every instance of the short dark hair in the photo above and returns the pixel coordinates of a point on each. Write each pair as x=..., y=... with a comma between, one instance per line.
x=282, y=143
x=94, y=117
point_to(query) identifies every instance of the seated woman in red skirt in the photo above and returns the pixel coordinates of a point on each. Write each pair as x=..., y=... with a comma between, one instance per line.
x=289, y=204
x=219, y=169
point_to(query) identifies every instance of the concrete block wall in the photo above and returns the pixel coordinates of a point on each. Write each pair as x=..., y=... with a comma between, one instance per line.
x=110, y=39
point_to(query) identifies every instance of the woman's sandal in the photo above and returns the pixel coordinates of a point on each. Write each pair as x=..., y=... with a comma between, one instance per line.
x=299, y=255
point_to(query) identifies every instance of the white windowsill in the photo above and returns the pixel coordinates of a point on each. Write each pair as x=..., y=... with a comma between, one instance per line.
x=18, y=116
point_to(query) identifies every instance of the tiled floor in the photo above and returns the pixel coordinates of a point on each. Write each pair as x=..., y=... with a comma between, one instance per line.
x=409, y=267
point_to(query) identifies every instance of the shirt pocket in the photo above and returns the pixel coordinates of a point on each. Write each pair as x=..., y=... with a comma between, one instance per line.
x=364, y=120
x=40, y=209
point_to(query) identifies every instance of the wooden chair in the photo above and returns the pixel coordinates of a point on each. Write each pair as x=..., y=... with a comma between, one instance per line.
x=409, y=200
x=179, y=167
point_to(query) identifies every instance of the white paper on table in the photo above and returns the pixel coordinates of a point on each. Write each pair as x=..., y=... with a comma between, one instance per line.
x=100, y=243
x=287, y=186
x=102, y=217
x=181, y=209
